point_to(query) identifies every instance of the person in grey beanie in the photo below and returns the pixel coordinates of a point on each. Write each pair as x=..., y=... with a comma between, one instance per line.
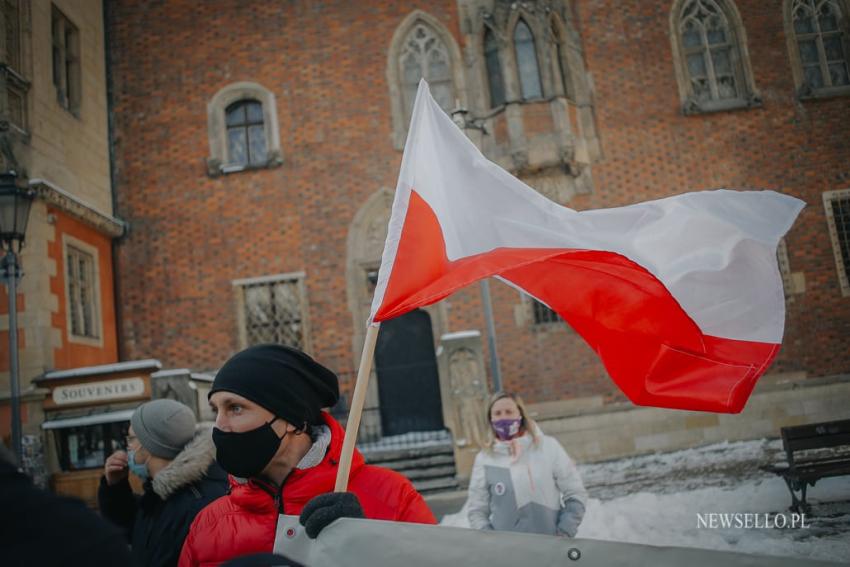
x=175, y=459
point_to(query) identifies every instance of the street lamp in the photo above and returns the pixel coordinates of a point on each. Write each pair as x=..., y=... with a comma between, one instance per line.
x=15, y=201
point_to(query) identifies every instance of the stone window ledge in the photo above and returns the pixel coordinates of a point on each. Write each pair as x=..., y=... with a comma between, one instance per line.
x=807, y=93
x=217, y=169
x=694, y=108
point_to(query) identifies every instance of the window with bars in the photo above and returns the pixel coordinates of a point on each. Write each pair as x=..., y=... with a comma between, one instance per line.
x=526, y=61
x=837, y=204
x=543, y=313
x=246, y=135
x=711, y=55
x=66, y=61
x=83, y=318
x=820, y=32
x=274, y=311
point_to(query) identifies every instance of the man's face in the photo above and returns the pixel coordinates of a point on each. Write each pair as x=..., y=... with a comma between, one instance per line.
x=134, y=445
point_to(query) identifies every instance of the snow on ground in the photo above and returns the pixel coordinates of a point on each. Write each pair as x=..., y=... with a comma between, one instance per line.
x=655, y=499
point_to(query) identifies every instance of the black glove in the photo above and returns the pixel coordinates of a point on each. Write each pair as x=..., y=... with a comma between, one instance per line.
x=322, y=510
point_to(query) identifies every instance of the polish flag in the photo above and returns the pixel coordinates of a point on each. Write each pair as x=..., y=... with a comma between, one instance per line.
x=681, y=297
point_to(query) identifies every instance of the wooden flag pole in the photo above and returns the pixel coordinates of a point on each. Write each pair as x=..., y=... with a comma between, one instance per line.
x=356, y=410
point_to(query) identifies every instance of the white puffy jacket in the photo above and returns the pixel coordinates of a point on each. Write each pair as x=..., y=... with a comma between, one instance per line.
x=538, y=491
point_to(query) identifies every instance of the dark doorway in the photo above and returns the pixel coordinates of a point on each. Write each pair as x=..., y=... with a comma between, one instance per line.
x=408, y=382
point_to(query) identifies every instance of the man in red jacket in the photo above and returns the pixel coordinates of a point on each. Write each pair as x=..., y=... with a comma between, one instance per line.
x=282, y=450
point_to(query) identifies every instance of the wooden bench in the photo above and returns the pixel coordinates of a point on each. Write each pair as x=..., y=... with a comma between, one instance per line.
x=814, y=451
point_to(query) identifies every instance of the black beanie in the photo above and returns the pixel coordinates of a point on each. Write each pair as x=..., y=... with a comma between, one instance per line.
x=284, y=380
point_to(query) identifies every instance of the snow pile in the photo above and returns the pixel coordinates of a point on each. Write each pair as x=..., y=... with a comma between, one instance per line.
x=656, y=499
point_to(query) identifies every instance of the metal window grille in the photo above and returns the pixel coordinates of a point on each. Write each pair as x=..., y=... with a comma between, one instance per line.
x=784, y=267
x=274, y=313
x=81, y=293
x=837, y=205
x=543, y=314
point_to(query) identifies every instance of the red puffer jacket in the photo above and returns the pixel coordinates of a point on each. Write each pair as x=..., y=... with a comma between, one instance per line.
x=244, y=521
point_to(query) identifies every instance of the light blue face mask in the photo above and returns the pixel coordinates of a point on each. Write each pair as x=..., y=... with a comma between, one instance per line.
x=140, y=470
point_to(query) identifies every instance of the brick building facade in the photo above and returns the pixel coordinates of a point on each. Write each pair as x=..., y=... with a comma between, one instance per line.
x=256, y=146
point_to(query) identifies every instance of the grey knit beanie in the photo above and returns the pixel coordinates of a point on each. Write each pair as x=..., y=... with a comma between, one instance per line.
x=163, y=427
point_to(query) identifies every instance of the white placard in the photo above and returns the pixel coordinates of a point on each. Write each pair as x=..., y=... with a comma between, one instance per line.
x=99, y=391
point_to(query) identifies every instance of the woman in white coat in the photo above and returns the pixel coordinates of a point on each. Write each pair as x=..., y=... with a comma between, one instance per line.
x=523, y=480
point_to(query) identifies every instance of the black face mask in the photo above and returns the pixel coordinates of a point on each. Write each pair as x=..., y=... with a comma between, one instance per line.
x=246, y=454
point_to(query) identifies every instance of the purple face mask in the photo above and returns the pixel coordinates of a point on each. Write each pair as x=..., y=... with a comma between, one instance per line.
x=506, y=428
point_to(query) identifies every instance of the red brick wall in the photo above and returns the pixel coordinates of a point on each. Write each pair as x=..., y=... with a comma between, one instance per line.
x=326, y=64
x=651, y=150
x=537, y=119
x=192, y=235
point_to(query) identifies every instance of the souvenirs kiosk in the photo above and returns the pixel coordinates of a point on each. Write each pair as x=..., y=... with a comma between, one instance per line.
x=87, y=413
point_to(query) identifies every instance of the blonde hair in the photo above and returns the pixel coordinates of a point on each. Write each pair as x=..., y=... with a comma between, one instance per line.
x=527, y=424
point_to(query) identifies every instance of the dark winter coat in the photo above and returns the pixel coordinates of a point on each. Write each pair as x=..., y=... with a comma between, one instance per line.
x=244, y=522
x=157, y=522
x=40, y=528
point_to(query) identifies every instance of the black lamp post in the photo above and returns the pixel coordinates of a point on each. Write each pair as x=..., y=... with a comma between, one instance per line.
x=15, y=201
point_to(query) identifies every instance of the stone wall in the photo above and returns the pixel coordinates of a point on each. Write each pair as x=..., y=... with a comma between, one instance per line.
x=600, y=433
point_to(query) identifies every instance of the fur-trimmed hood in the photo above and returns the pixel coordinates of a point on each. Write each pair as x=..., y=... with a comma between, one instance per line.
x=189, y=466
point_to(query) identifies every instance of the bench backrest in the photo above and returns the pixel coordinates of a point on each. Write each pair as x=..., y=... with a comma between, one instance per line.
x=815, y=436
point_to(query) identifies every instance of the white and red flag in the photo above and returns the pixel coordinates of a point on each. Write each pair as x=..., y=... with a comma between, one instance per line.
x=681, y=298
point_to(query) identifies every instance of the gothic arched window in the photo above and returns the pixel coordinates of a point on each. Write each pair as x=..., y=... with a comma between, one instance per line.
x=424, y=55
x=494, y=69
x=709, y=45
x=819, y=29
x=526, y=61
x=711, y=52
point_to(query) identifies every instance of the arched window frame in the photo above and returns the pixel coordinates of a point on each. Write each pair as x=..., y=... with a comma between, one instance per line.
x=804, y=90
x=219, y=163
x=748, y=95
x=538, y=56
x=400, y=124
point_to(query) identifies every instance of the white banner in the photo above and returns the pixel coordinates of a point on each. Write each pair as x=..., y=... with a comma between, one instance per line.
x=376, y=543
